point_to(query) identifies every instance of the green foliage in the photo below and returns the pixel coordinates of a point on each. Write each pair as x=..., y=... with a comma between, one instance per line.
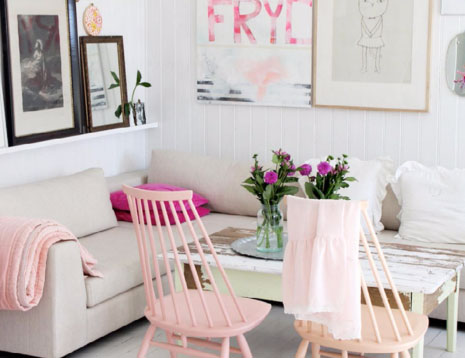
x=130, y=105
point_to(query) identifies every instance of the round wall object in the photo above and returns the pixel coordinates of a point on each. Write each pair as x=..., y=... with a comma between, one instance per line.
x=92, y=20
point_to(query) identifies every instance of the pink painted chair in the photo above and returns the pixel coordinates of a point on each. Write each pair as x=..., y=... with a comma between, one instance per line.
x=191, y=317
x=385, y=330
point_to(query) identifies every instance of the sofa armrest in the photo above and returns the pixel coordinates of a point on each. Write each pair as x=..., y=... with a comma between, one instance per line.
x=58, y=325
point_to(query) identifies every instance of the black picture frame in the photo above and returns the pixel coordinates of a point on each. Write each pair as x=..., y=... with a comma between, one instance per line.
x=75, y=72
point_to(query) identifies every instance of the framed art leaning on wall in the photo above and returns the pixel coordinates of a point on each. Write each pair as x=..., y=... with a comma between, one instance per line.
x=41, y=69
x=372, y=54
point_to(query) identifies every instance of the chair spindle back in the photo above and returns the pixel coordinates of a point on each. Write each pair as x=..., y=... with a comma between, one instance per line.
x=141, y=204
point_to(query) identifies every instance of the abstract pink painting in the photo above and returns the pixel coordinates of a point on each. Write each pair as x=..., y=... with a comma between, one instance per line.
x=254, y=52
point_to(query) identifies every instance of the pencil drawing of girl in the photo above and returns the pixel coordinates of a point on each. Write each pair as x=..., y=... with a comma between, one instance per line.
x=371, y=41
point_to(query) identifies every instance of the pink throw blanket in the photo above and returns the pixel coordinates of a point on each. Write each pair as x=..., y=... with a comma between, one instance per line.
x=24, y=245
x=321, y=272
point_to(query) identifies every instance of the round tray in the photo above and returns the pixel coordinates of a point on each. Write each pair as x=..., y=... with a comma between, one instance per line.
x=248, y=247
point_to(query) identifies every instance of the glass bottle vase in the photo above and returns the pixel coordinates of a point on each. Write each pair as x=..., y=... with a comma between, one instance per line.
x=270, y=228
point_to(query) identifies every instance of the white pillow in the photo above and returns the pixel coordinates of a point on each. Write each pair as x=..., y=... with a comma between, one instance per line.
x=433, y=203
x=373, y=177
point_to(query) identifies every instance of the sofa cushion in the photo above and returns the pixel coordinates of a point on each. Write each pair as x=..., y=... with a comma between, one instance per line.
x=118, y=256
x=133, y=178
x=81, y=202
x=219, y=180
x=433, y=203
x=391, y=210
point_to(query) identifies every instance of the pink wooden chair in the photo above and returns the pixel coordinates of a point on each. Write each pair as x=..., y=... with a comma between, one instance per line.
x=191, y=317
x=385, y=330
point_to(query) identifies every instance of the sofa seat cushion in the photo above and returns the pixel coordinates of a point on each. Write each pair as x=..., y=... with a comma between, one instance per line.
x=118, y=256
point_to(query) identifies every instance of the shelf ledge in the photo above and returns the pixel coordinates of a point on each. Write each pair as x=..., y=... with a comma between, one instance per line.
x=77, y=138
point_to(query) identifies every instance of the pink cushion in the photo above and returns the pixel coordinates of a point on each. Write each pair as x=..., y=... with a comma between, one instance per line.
x=126, y=216
x=120, y=202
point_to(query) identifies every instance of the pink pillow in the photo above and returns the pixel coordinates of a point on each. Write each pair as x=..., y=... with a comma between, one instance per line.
x=126, y=216
x=120, y=202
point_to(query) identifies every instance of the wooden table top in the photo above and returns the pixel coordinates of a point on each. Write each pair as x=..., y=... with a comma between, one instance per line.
x=415, y=269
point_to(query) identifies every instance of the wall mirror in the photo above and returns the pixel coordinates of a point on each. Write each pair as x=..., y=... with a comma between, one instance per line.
x=102, y=59
x=455, y=65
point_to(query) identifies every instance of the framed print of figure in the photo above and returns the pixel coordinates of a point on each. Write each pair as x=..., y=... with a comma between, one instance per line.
x=41, y=69
x=372, y=54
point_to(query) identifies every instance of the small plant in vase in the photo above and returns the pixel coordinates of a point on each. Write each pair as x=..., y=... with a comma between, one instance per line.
x=270, y=186
x=331, y=176
x=131, y=106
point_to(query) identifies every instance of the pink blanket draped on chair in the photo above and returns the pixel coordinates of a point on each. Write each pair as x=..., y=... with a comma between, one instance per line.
x=321, y=273
x=24, y=245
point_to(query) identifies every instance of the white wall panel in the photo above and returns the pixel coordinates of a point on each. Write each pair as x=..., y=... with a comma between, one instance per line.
x=433, y=138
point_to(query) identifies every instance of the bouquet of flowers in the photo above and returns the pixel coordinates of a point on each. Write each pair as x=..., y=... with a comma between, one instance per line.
x=331, y=176
x=270, y=186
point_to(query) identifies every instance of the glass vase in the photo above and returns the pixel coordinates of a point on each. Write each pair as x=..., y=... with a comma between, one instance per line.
x=270, y=228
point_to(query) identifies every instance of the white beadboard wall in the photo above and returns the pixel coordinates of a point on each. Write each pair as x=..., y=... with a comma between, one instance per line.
x=115, y=154
x=435, y=138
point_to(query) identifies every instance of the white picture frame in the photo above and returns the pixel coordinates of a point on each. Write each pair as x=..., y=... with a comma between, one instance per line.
x=372, y=58
x=453, y=7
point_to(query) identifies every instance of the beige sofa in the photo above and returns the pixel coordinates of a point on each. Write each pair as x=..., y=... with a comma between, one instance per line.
x=75, y=310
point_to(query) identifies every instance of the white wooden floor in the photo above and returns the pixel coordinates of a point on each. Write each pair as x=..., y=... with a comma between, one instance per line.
x=275, y=338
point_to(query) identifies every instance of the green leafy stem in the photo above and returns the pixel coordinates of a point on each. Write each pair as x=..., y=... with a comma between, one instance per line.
x=126, y=107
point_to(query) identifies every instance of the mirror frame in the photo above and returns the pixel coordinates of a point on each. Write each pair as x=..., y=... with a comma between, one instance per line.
x=84, y=41
x=451, y=74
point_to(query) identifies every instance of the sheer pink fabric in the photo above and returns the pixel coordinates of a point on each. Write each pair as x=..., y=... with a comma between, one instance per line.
x=321, y=273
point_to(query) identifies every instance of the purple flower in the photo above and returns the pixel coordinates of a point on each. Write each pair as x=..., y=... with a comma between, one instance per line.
x=305, y=169
x=324, y=168
x=291, y=170
x=280, y=153
x=271, y=177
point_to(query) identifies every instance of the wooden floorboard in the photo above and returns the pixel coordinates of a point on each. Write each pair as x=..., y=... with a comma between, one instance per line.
x=275, y=338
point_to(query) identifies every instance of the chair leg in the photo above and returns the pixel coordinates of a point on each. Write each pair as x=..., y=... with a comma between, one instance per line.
x=170, y=339
x=345, y=354
x=146, y=342
x=303, y=348
x=244, y=346
x=316, y=350
x=405, y=354
x=225, y=348
x=395, y=355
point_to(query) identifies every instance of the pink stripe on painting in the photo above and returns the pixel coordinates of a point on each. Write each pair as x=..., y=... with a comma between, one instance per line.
x=274, y=17
x=289, y=38
x=215, y=19
x=240, y=21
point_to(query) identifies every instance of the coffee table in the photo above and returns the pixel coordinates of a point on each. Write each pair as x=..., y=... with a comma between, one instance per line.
x=425, y=277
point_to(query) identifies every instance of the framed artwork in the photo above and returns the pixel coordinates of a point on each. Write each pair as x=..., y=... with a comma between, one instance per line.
x=3, y=139
x=372, y=54
x=453, y=7
x=256, y=52
x=41, y=69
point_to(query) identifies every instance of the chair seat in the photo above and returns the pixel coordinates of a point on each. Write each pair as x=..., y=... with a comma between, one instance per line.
x=255, y=312
x=313, y=332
